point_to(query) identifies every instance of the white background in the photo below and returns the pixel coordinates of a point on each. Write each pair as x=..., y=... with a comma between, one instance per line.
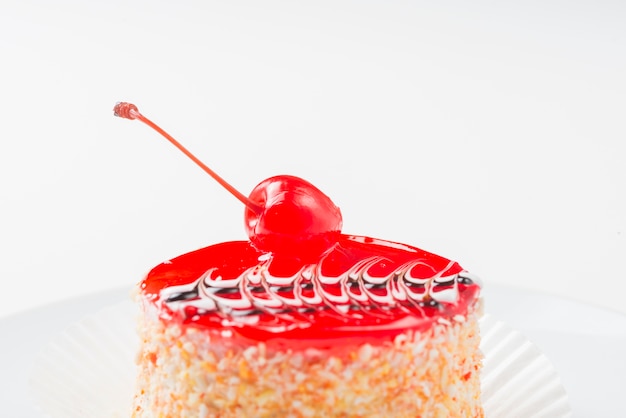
x=490, y=133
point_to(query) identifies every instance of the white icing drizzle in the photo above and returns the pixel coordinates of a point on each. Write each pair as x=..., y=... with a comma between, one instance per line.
x=354, y=294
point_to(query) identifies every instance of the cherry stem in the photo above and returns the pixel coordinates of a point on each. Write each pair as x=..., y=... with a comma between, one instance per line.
x=129, y=111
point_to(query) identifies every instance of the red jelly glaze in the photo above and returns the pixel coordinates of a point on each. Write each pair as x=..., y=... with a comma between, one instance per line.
x=320, y=325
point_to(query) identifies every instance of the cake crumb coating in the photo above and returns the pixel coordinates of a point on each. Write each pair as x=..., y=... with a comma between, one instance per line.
x=189, y=372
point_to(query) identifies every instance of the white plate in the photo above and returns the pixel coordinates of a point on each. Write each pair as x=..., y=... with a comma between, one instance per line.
x=88, y=370
x=568, y=332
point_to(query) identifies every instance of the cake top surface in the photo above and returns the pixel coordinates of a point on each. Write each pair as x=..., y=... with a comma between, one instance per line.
x=361, y=287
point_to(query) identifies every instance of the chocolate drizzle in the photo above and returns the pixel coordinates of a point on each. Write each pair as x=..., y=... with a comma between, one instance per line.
x=358, y=283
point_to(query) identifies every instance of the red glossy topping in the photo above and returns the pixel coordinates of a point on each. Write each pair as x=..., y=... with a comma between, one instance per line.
x=298, y=281
x=297, y=220
x=362, y=289
x=284, y=214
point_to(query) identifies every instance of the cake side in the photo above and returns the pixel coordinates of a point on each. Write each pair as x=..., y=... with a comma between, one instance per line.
x=187, y=372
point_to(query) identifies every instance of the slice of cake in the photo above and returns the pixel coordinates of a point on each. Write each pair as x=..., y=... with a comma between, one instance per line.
x=374, y=329
x=304, y=321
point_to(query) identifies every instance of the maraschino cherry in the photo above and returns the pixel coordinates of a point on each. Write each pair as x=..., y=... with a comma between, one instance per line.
x=284, y=215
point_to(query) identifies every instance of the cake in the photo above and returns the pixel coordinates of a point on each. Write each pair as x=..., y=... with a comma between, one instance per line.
x=302, y=320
